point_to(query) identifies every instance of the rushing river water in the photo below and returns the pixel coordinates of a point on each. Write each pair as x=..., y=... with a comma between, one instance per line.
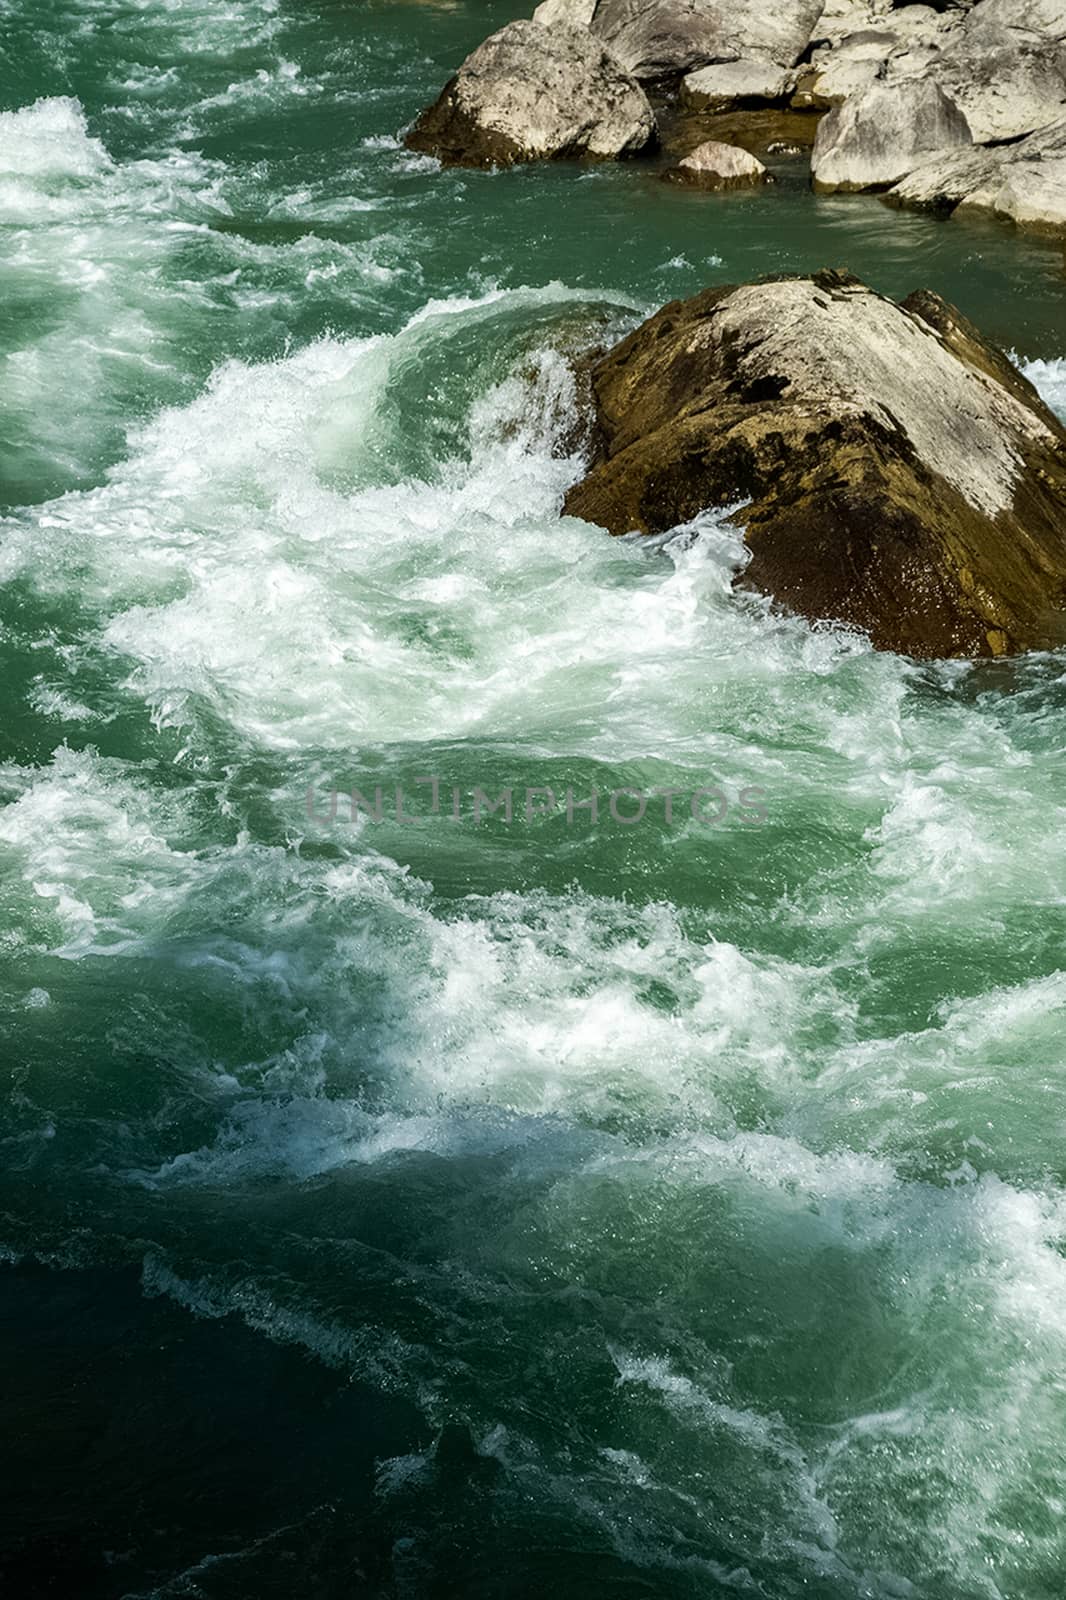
x=557, y=1206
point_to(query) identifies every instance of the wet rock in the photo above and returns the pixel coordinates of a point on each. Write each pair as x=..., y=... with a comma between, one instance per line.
x=533, y=93
x=876, y=137
x=754, y=129
x=897, y=472
x=718, y=166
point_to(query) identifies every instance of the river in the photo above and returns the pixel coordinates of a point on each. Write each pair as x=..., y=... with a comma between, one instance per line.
x=666, y=1202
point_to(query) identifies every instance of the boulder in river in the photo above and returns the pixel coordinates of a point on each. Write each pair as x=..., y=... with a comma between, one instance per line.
x=532, y=93
x=656, y=39
x=718, y=166
x=1006, y=82
x=893, y=470
x=1023, y=182
x=855, y=63
x=879, y=135
x=729, y=84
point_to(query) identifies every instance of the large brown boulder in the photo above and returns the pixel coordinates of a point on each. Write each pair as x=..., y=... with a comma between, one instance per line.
x=898, y=473
x=531, y=93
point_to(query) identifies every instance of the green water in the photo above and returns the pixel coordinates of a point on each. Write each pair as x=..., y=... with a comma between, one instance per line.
x=502, y=1209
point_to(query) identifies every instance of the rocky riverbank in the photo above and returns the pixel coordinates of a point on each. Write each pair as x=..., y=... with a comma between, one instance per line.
x=961, y=108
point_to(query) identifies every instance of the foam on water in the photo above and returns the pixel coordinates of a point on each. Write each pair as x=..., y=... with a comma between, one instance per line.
x=1050, y=378
x=712, y=1179
x=121, y=267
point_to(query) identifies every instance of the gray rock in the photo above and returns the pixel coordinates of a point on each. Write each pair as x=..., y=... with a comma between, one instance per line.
x=732, y=83
x=718, y=166
x=1024, y=183
x=1045, y=19
x=1005, y=82
x=843, y=17
x=532, y=93
x=1030, y=194
x=565, y=13
x=940, y=183
x=852, y=66
x=663, y=38
x=878, y=136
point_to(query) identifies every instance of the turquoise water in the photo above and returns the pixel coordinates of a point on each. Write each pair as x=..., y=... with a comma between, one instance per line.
x=456, y=1208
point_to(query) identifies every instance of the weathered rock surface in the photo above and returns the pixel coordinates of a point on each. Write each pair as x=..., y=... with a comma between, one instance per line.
x=939, y=183
x=840, y=18
x=532, y=93
x=1003, y=62
x=1046, y=18
x=1033, y=196
x=899, y=474
x=664, y=38
x=1023, y=183
x=729, y=84
x=1006, y=82
x=855, y=63
x=876, y=137
x=565, y=13
x=718, y=166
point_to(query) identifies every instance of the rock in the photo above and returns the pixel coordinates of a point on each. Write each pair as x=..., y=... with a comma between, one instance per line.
x=1044, y=18
x=1023, y=183
x=940, y=183
x=895, y=472
x=1031, y=194
x=718, y=166
x=850, y=68
x=565, y=13
x=533, y=93
x=753, y=129
x=1005, y=83
x=729, y=84
x=843, y=17
x=880, y=135
x=664, y=38
x=1006, y=80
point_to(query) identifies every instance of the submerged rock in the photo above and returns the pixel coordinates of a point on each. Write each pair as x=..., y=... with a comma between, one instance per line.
x=718, y=166
x=897, y=472
x=532, y=93
x=879, y=135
